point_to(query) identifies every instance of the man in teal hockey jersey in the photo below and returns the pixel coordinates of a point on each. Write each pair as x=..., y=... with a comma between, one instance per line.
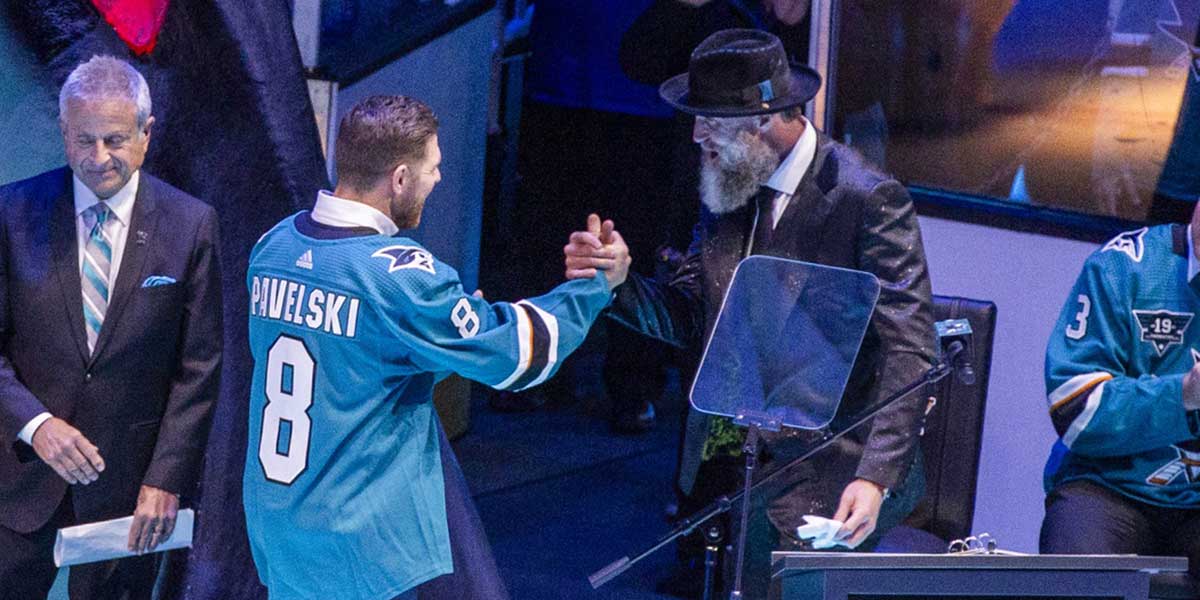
x=1123, y=386
x=350, y=327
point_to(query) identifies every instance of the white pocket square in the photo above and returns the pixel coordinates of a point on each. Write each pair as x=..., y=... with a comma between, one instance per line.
x=157, y=280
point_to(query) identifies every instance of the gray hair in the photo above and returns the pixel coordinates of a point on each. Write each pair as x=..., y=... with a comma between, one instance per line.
x=107, y=77
x=792, y=114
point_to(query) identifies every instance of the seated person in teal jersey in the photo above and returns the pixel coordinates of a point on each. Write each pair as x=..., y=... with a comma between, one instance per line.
x=350, y=327
x=1123, y=393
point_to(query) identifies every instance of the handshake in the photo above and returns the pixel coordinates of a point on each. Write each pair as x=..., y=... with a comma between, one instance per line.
x=600, y=248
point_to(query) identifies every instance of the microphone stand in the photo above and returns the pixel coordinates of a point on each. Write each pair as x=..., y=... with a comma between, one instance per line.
x=839, y=427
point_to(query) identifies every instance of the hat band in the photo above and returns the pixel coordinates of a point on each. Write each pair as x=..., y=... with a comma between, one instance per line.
x=754, y=95
x=766, y=91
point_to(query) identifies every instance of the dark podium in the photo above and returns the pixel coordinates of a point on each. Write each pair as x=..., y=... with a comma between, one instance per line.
x=866, y=576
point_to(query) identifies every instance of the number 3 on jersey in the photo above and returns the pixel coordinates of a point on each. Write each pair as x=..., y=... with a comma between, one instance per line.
x=1079, y=329
x=286, y=427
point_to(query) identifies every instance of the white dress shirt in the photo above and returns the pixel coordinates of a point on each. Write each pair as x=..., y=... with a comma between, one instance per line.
x=121, y=205
x=340, y=212
x=787, y=177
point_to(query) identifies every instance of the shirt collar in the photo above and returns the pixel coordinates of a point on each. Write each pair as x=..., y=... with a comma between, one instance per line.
x=340, y=212
x=121, y=203
x=787, y=177
x=1193, y=264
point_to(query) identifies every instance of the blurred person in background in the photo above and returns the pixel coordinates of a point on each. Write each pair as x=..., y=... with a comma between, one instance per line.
x=592, y=140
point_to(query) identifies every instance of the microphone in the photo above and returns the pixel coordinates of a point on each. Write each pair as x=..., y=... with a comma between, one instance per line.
x=960, y=361
x=957, y=349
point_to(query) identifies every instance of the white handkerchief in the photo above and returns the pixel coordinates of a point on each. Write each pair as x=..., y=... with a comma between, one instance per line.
x=107, y=540
x=821, y=531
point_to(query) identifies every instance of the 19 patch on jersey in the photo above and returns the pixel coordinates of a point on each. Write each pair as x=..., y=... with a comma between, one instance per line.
x=1162, y=328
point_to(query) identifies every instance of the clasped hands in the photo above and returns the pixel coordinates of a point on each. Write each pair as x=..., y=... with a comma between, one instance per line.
x=66, y=450
x=598, y=249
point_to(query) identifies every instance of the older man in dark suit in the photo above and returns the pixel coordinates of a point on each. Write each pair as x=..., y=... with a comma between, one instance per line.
x=772, y=184
x=110, y=343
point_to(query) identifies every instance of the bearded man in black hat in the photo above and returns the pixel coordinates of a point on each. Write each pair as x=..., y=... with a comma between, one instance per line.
x=772, y=184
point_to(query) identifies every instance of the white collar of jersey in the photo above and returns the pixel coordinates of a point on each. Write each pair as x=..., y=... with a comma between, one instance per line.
x=121, y=203
x=787, y=177
x=340, y=212
x=1193, y=264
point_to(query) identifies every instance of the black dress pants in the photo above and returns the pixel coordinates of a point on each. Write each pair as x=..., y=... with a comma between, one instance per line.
x=1087, y=518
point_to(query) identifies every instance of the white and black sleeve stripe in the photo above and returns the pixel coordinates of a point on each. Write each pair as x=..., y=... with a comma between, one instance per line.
x=537, y=339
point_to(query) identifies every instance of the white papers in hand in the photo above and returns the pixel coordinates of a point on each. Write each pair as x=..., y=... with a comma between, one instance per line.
x=107, y=540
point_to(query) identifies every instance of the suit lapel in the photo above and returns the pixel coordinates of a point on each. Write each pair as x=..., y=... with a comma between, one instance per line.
x=137, y=243
x=807, y=211
x=64, y=257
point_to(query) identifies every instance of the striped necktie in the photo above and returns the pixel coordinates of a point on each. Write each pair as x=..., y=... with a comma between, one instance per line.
x=97, y=262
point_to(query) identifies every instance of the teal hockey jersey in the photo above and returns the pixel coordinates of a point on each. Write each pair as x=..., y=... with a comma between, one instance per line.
x=342, y=486
x=1114, y=370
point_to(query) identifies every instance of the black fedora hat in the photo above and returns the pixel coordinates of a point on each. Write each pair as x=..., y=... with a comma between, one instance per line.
x=740, y=72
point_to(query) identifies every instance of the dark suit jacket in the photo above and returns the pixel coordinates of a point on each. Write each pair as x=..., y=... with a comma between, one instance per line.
x=145, y=396
x=845, y=214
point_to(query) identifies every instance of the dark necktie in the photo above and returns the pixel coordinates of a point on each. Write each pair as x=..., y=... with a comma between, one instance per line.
x=765, y=225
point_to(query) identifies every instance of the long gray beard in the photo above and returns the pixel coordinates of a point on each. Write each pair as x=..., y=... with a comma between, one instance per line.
x=741, y=167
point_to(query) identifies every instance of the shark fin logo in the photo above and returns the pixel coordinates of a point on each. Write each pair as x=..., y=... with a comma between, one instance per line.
x=407, y=257
x=1129, y=243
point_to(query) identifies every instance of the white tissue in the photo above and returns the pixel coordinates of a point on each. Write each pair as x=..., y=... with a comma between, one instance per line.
x=822, y=532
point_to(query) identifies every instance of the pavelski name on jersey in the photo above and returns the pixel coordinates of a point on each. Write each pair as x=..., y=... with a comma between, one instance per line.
x=300, y=304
